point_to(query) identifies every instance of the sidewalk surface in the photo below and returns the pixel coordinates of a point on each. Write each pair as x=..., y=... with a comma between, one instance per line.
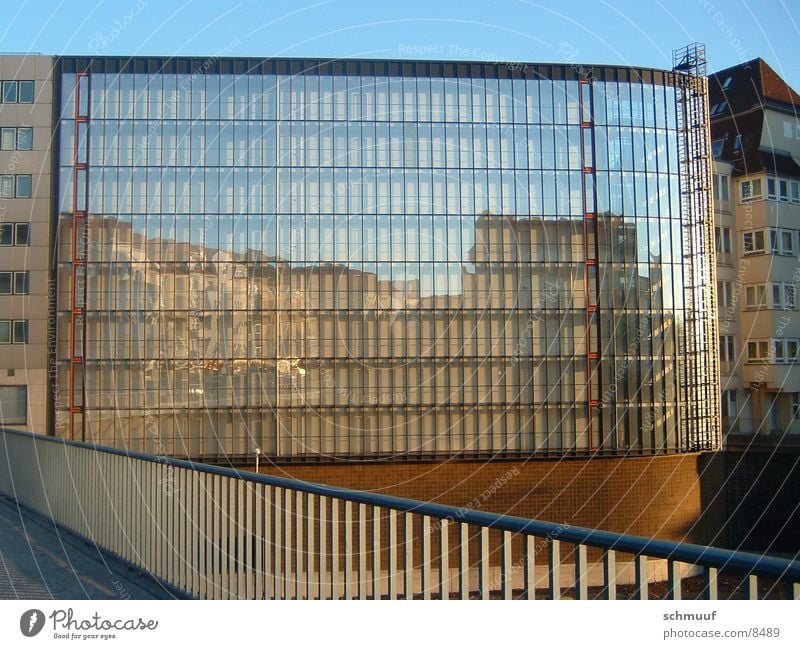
x=41, y=561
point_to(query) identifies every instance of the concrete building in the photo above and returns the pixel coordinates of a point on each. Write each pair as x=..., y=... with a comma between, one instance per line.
x=26, y=124
x=756, y=144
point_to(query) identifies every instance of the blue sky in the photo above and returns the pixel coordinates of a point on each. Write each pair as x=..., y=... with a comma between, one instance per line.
x=625, y=32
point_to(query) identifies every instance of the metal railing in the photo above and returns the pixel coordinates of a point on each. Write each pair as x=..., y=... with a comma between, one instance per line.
x=219, y=533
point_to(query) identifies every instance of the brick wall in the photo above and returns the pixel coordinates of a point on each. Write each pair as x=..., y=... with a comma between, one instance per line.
x=653, y=496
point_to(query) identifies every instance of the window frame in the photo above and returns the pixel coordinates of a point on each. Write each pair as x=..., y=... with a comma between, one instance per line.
x=759, y=295
x=16, y=421
x=22, y=282
x=727, y=348
x=729, y=398
x=18, y=227
x=22, y=327
x=26, y=83
x=18, y=180
x=755, y=247
x=750, y=190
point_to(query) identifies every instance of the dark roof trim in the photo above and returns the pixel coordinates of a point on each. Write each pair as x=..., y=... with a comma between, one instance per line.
x=361, y=67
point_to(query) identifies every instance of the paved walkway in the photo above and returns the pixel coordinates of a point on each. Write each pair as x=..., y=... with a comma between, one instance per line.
x=40, y=561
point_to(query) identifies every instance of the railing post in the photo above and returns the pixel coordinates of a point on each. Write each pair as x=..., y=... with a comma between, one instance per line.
x=426, y=558
x=278, y=587
x=673, y=580
x=263, y=539
x=362, y=551
x=243, y=542
x=247, y=564
x=710, y=586
x=505, y=565
x=529, y=568
x=463, y=560
x=609, y=575
x=335, y=588
x=581, y=570
x=751, y=587
x=641, y=577
x=444, y=559
x=311, y=552
x=299, y=581
x=348, y=549
x=376, y=553
x=181, y=513
x=554, y=552
x=408, y=560
x=483, y=564
x=323, y=588
x=391, y=542
x=288, y=580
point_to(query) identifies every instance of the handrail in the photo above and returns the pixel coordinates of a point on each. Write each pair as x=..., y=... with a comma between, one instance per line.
x=705, y=556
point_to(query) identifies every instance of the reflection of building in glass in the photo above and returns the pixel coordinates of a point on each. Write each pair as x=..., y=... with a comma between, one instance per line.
x=378, y=259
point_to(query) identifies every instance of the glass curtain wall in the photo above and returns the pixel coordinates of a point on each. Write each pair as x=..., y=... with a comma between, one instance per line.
x=367, y=265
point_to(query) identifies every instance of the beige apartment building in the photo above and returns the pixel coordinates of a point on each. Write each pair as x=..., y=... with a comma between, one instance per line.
x=755, y=133
x=26, y=117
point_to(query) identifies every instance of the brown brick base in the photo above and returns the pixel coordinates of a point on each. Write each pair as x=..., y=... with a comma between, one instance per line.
x=653, y=496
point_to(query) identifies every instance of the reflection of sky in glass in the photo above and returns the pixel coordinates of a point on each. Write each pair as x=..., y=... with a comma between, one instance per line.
x=387, y=232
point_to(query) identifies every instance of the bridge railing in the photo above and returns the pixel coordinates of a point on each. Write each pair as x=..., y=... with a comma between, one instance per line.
x=220, y=533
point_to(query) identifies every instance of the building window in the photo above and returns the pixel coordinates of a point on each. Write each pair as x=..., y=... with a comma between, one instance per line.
x=22, y=234
x=718, y=109
x=755, y=296
x=20, y=333
x=721, y=187
x=24, y=186
x=26, y=92
x=14, y=283
x=722, y=242
x=750, y=190
x=782, y=296
x=13, y=332
x=14, y=138
x=10, y=92
x=795, y=405
x=15, y=234
x=729, y=409
x=771, y=188
x=775, y=350
x=17, y=92
x=758, y=351
x=716, y=147
x=13, y=404
x=783, y=190
x=727, y=349
x=754, y=242
x=781, y=242
x=19, y=186
x=725, y=293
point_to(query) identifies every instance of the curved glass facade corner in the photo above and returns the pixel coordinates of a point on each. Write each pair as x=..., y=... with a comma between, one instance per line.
x=373, y=260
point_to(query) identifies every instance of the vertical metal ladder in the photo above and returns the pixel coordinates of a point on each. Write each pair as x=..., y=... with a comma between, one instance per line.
x=699, y=365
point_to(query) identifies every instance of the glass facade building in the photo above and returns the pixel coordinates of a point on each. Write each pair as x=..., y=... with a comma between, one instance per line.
x=374, y=259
